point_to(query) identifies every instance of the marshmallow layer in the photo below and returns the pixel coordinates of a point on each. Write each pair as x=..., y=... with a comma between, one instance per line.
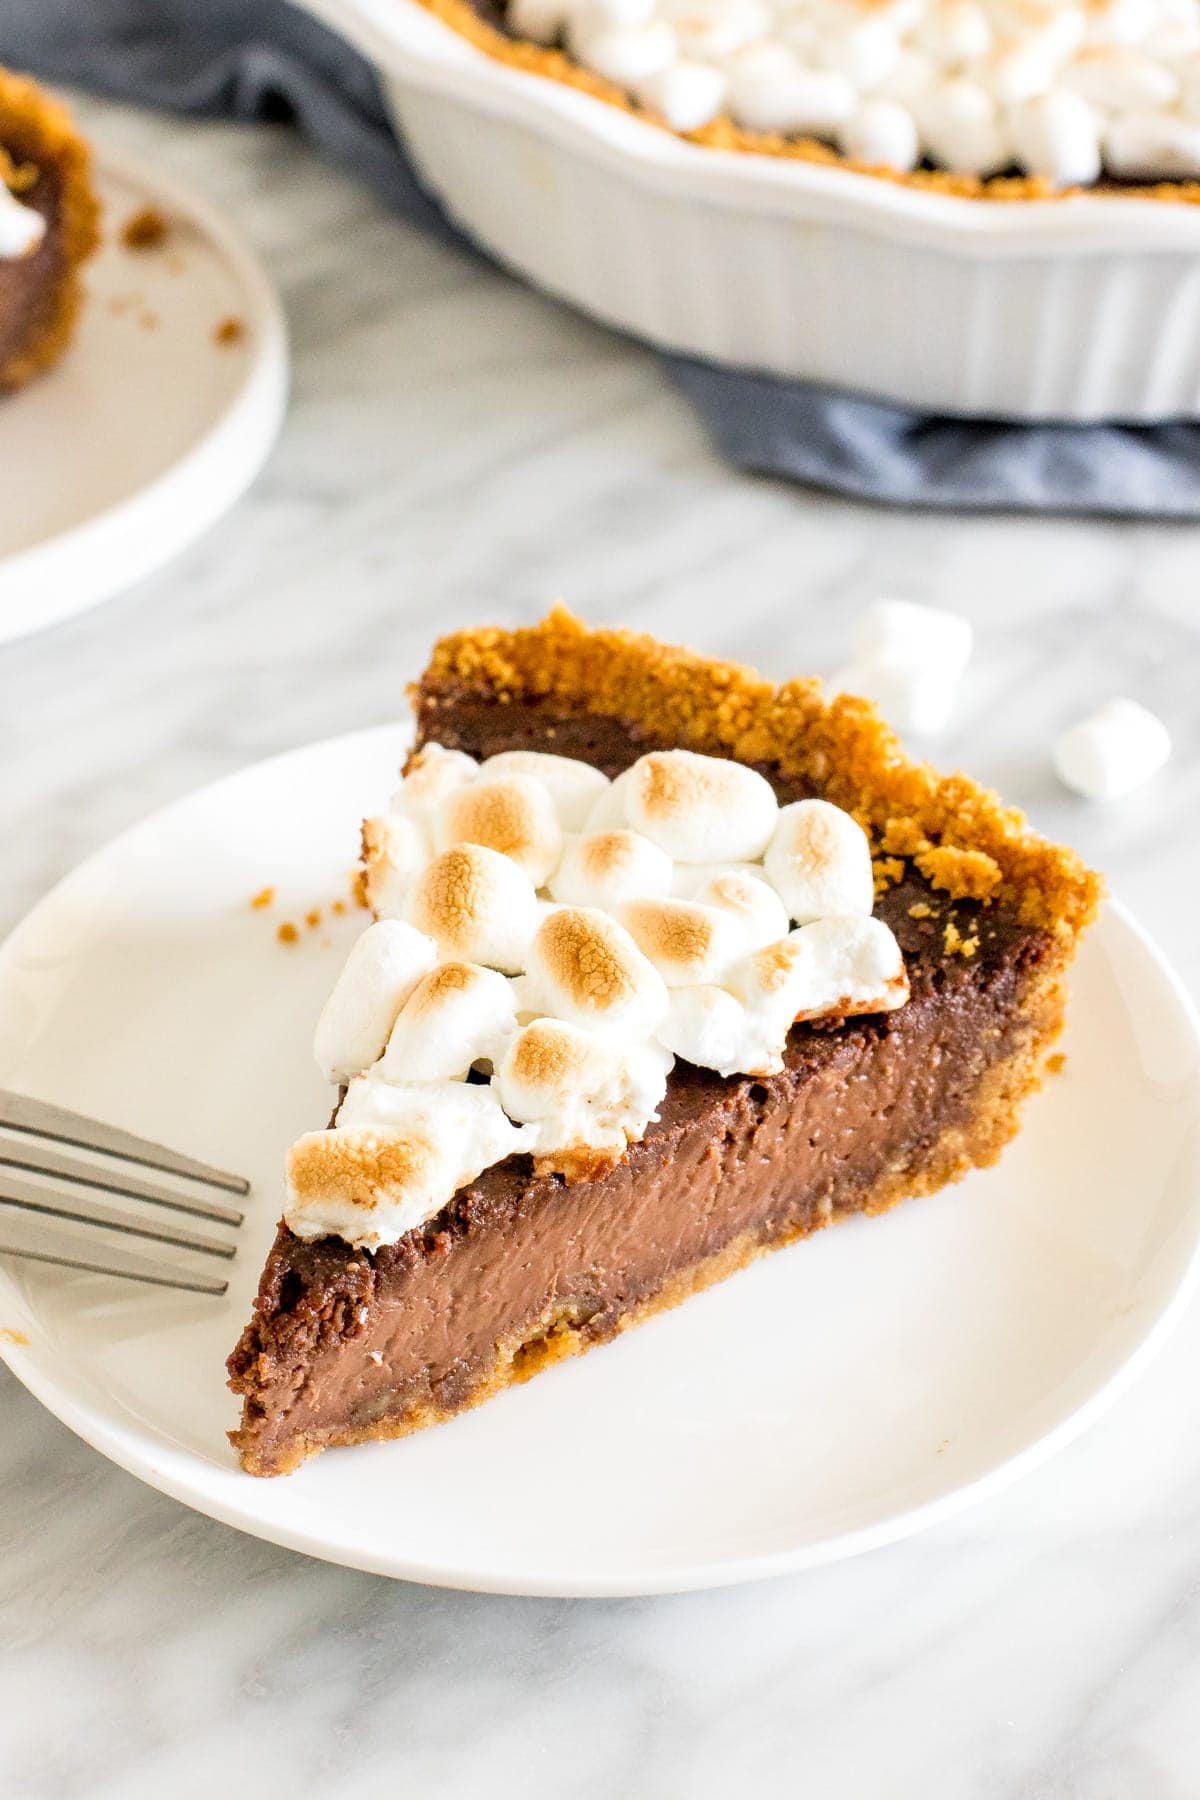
x=1060, y=89
x=547, y=943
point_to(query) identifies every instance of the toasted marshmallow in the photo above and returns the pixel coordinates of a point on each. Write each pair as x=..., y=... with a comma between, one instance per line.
x=541, y=21
x=381, y=971
x=512, y=814
x=580, y=1095
x=22, y=227
x=687, y=94
x=584, y=967
x=1112, y=752
x=686, y=942
x=606, y=868
x=839, y=965
x=608, y=810
x=478, y=905
x=751, y=902
x=714, y=29
x=700, y=809
x=819, y=862
x=395, y=851
x=1120, y=80
x=713, y=1029
x=395, y=1158
x=432, y=774
x=459, y=1014
x=573, y=786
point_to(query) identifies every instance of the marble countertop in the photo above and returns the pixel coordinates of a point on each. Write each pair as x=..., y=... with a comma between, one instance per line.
x=460, y=449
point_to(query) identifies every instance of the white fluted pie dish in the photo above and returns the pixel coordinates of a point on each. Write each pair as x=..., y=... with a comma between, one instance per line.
x=1083, y=308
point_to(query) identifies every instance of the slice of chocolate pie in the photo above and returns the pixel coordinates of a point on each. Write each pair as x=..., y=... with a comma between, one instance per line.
x=671, y=967
x=48, y=227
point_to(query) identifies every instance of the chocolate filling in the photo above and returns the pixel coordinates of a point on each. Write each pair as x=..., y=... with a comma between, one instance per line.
x=344, y=1342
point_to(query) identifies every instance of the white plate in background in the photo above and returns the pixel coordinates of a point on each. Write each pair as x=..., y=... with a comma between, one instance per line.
x=836, y=1396
x=148, y=428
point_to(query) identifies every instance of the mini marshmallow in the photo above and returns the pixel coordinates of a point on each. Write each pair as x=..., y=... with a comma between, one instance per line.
x=865, y=52
x=584, y=967
x=687, y=94
x=1112, y=752
x=478, y=905
x=383, y=967
x=395, y=1158
x=395, y=852
x=1121, y=81
x=961, y=128
x=710, y=1027
x=512, y=814
x=573, y=786
x=686, y=941
x=880, y=132
x=770, y=89
x=819, y=862
x=607, y=15
x=541, y=21
x=608, y=811
x=700, y=808
x=958, y=32
x=459, y=1014
x=579, y=1094
x=909, y=660
x=1143, y=146
x=627, y=54
x=432, y=773
x=1057, y=136
x=715, y=29
x=842, y=965
x=606, y=868
x=751, y=902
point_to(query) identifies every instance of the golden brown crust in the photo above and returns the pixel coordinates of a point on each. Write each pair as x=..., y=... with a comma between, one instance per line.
x=37, y=131
x=977, y=1145
x=723, y=134
x=960, y=834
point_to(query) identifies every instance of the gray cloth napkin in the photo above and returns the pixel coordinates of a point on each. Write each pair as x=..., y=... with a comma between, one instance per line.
x=264, y=59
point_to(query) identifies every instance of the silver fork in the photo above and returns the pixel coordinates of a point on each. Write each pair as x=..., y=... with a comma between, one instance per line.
x=30, y=1133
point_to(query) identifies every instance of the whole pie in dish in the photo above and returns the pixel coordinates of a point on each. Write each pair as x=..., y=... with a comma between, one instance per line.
x=48, y=227
x=1009, y=99
x=670, y=968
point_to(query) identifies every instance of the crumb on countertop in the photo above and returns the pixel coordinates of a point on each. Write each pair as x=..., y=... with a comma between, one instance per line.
x=312, y=918
x=146, y=230
x=287, y=933
x=11, y=1335
x=338, y=907
x=229, y=330
x=358, y=889
x=263, y=898
x=1056, y=1064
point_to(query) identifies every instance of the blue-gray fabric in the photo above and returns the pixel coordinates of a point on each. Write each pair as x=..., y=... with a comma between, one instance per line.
x=265, y=59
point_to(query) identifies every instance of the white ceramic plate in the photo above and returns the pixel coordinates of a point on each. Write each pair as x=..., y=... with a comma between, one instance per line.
x=148, y=429
x=837, y=1395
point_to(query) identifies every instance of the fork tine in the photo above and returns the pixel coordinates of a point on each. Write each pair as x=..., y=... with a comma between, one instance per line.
x=29, y=1198
x=40, y=1119
x=69, y=1168
x=193, y=1284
